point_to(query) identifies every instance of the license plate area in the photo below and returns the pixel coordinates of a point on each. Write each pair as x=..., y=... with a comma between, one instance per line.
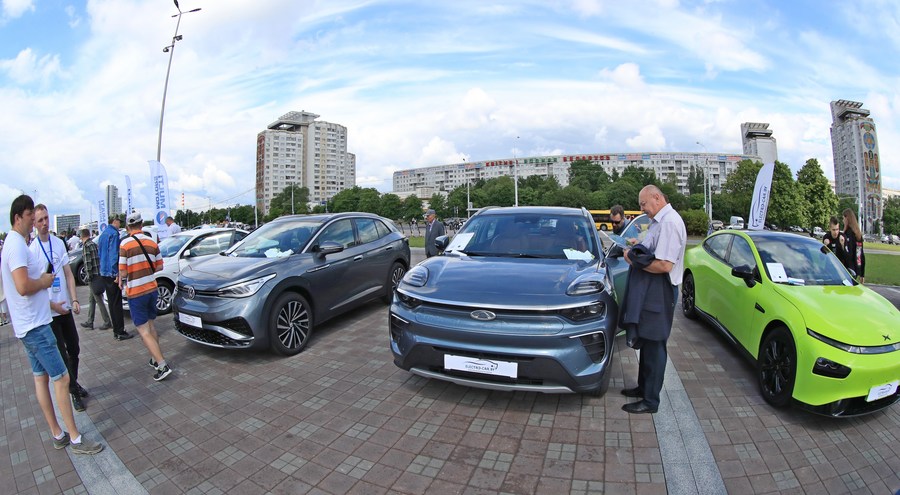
x=481, y=365
x=882, y=391
x=194, y=321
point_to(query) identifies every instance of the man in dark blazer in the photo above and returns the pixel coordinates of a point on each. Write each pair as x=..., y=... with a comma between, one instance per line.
x=666, y=239
x=433, y=230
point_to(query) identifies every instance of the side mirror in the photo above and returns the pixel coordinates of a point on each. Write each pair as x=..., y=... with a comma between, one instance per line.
x=328, y=247
x=744, y=272
x=186, y=253
x=441, y=242
x=616, y=251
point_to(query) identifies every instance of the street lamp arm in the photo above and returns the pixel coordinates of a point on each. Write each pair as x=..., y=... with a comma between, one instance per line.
x=171, y=50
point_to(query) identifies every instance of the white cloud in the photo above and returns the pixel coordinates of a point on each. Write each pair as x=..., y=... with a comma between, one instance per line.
x=16, y=8
x=27, y=67
x=650, y=138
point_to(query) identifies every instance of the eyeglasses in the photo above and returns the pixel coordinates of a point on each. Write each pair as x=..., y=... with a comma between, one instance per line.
x=614, y=222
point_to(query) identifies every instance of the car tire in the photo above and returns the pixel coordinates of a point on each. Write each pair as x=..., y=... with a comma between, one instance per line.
x=164, y=299
x=777, y=367
x=290, y=324
x=393, y=280
x=81, y=274
x=688, y=297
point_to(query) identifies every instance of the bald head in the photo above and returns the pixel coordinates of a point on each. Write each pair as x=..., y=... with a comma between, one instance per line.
x=651, y=200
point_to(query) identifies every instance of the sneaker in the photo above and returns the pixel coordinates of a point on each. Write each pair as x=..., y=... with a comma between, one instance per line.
x=81, y=390
x=76, y=403
x=62, y=442
x=162, y=373
x=124, y=336
x=153, y=364
x=88, y=324
x=106, y=326
x=86, y=447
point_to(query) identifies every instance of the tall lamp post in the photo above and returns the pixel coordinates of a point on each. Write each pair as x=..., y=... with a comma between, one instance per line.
x=707, y=184
x=516, y=171
x=171, y=51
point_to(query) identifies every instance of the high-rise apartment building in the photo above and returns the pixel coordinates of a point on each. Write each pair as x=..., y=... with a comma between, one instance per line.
x=66, y=223
x=758, y=141
x=857, y=164
x=297, y=149
x=113, y=200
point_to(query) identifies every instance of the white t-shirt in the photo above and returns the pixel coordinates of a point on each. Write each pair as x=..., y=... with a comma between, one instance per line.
x=27, y=312
x=55, y=250
x=173, y=229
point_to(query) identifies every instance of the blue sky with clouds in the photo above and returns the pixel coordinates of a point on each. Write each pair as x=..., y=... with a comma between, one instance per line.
x=422, y=83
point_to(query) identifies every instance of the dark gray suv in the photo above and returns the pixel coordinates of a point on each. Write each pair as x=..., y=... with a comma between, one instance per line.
x=295, y=272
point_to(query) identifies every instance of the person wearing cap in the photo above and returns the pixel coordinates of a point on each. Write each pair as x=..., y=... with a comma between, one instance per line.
x=139, y=260
x=108, y=245
x=433, y=230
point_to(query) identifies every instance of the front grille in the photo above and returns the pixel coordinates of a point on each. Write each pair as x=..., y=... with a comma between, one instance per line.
x=238, y=325
x=208, y=336
x=209, y=293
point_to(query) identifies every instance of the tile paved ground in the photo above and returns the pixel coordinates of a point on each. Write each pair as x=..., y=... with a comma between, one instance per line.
x=341, y=418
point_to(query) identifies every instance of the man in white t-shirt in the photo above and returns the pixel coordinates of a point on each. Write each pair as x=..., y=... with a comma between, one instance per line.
x=26, y=278
x=172, y=227
x=63, y=301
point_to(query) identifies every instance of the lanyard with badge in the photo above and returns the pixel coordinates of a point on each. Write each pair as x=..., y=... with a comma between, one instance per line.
x=56, y=282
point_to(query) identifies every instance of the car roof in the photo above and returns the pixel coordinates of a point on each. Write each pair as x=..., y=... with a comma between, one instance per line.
x=771, y=234
x=324, y=217
x=556, y=210
x=204, y=230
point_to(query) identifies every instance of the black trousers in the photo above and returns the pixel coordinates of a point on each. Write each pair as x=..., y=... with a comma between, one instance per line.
x=114, y=296
x=67, y=342
x=652, y=370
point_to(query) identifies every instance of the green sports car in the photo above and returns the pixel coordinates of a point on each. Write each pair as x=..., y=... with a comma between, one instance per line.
x=819, y=339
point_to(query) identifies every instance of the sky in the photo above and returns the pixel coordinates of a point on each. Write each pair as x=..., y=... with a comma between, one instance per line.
x=420, y=84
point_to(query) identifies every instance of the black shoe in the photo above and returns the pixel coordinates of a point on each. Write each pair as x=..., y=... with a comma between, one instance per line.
x=638, y=408
x=106, y=326
x=124, y=336
x=162, y=373
x=633, y=392
x=154, y=364
x=77, y=404
x=88, y=325
x=81, y=391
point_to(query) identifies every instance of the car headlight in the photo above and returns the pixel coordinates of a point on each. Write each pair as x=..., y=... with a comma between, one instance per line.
x=245, y=289
x=854, y=349
x=407, y=300
x=582, y=313
x=417, y=277
x=589, y=284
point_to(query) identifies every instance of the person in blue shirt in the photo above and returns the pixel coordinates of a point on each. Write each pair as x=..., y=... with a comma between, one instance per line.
x=108, y=245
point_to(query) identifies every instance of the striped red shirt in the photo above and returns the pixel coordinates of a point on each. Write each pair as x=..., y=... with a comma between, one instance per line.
x=141, y=278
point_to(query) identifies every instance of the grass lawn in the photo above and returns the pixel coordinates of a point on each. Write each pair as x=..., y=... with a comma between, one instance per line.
x=883, y=269
x=416, y=241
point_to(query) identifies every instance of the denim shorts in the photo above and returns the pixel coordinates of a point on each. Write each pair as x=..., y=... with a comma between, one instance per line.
x=40, y=345
x=143, y=308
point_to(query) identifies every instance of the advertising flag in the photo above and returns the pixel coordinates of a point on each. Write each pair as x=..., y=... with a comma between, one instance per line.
x=128, y=195
x=762, y=191
x=160, y=181
x=103, y=219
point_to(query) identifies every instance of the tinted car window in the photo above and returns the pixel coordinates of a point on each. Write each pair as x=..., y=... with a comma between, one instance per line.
x=741, y=254
x=383, y=229
x=277, y=239
x=340, y=232
x=170, y=245
x=211, y=244
x=368, y=231
x=532, y=234
x=805, y=262
x=718, y=245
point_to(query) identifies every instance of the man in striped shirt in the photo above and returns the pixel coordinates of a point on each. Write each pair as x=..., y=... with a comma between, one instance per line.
x=139, y=260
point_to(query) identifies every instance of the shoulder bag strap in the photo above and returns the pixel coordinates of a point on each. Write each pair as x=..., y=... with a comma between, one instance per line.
x=152, y=266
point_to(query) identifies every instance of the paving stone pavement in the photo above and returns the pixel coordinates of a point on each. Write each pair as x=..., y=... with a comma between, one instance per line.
x=341, y=418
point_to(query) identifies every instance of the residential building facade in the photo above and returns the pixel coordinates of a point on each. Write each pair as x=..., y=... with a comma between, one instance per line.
x=669, y=165
x=66, y=223
x=298, y=150
x=857, y=163
x=758, y=141
x=113, y=200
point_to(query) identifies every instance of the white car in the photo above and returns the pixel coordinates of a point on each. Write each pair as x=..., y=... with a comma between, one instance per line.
x=179, y=250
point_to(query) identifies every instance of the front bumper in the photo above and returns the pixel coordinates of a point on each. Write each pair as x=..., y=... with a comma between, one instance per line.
x=227, y=323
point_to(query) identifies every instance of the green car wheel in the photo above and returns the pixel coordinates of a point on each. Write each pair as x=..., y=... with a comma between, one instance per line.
x=777, y=365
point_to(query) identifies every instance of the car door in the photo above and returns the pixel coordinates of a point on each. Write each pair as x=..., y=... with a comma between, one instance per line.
x=738, y=301
x=377, y=253
x=336, y=279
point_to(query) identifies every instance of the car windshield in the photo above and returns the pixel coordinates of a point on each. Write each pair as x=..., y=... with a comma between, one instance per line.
x=528, y=235
x=277, y=239
x=169, y=246
x=800, y=262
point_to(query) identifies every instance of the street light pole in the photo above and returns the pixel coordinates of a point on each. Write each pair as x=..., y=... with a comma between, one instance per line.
x=707, y=184
x=516, y=171
x=171, y=50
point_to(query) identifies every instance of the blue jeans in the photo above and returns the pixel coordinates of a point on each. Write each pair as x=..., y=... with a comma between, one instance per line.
x=40, y=345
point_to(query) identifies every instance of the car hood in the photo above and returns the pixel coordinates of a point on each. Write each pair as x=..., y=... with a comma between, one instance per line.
x=502, y=282
x=852, y=315
x=213, y=271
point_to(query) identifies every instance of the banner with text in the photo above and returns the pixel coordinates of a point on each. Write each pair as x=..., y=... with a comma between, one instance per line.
x=762, y=191
x=128, y=195
x=103, y=219
x=160, y=181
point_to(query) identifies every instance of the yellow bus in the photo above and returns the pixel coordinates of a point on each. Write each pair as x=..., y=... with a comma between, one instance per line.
x=601, y=218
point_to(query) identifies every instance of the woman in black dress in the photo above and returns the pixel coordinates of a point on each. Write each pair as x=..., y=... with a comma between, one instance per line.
x=856, y=257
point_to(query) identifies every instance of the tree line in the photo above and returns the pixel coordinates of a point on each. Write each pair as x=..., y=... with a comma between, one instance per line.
x=806, y=200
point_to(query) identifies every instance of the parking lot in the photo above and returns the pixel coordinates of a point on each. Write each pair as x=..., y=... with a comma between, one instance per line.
x=341, y=418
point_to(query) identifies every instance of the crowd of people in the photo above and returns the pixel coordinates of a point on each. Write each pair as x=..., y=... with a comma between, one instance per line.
x=37, y=290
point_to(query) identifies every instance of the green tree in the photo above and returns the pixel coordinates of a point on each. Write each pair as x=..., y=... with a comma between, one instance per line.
x=571, y=196
x=284, y=203
x=623, y=191
x=587, y=175
x=891, y=215
x=391, y=206
x=497, y=192
x=412, y=208
x=821, y=202
x=737, y=191
x=695, y=181
x=369, y=200
x=439, y=205
x=786, y=203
